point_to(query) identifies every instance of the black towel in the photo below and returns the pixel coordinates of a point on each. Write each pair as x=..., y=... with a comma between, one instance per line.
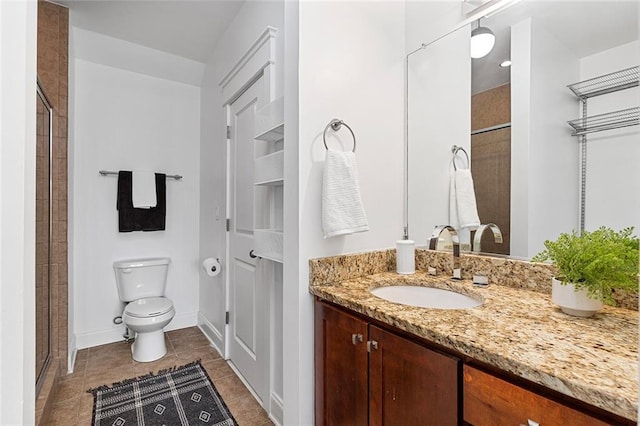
x=135, y=219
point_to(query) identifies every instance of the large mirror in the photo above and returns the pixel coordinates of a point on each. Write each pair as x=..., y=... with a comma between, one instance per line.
x=525, y=161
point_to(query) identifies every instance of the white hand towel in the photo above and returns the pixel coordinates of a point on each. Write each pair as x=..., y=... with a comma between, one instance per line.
x=463, y=211
x=143, y=190
x=342, y=209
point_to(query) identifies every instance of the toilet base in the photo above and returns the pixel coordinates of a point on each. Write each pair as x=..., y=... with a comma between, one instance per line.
x=149, y=346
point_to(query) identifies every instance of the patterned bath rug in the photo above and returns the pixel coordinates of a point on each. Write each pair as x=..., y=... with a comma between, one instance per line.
x=178, y=396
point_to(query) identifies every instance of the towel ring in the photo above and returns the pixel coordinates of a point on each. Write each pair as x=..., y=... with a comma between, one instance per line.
x=454, y=150
x=335, y=125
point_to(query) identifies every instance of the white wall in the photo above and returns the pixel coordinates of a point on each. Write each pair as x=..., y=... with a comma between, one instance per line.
x=553, y=152
x=339, y=71
x=251, y=21
x=17, y=211
x=105, y=50
x=126, y=120
x=613, y=176
x=545, y=161
x=520, y=125
x=350, y=67
x=428, y=20
x=295, y=299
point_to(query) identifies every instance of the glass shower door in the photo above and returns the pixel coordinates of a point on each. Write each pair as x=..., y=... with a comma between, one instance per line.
x=44, y=129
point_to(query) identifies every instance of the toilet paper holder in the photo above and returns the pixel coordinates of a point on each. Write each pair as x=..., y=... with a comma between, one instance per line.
x=212, y=266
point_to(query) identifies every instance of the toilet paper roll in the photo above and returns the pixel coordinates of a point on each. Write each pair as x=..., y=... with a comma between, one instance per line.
x=211, y=266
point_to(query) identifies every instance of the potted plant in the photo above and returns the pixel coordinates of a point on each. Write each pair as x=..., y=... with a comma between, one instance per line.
x=591, y=265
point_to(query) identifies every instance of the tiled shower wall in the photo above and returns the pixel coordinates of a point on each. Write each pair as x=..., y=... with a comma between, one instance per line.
x=53, y=47
x=491, y=163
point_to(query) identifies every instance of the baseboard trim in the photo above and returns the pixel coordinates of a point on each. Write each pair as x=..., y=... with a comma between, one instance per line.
x=212, y=333
x=276, y=413
x=114, y=334
x=72, y=351
x=245, y=383
x=71, y=361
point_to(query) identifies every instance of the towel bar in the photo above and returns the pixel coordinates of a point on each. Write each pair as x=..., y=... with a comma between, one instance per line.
x=335, y=125
x=454, y=150
x=109, y=172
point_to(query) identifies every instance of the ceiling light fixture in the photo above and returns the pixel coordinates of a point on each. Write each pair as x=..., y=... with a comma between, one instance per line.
x=506, y=64
x=482, y=41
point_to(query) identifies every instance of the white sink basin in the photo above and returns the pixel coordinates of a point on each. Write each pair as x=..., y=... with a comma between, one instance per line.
x=425, y=297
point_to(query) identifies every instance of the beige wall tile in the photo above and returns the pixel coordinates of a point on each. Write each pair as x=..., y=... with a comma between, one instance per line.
x=53, y=35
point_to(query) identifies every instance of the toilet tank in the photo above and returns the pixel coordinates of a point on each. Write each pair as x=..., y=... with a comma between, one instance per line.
x=139, y=278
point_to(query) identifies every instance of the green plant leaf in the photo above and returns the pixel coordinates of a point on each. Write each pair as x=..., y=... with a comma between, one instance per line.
x=598, y=261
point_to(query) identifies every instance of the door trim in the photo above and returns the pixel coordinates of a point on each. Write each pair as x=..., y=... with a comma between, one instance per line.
x=257, y=61
x=258, y=58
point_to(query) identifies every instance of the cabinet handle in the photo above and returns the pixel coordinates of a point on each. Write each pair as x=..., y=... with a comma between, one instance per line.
x=355, y=338
x=371, y=344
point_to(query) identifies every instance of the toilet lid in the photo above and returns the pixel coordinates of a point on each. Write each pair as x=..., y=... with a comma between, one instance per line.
x=149, y=307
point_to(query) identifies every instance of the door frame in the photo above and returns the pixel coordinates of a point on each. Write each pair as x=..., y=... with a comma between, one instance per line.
x=257, y=61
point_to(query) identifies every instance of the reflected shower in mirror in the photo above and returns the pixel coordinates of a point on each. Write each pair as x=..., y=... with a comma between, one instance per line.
x=525, y=161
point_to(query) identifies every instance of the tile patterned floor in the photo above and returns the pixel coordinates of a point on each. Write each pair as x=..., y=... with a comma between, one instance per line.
x=112, y=363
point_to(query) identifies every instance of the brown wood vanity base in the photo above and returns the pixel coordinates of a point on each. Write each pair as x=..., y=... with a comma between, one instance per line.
x=370, y=373
x=489, y=400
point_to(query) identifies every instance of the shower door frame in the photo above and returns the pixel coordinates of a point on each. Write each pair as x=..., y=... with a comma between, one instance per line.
x=40, y=375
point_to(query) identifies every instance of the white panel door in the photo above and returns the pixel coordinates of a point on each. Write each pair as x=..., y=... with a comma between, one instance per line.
x=248, y=319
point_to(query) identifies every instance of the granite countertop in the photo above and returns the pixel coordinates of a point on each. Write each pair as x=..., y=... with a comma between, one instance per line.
x=522, y=332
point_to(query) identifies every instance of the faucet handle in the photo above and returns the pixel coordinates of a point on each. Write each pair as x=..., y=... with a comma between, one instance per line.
x=480, y=280
x=435, y=236
x=433, y=243
x=437, y=231
x=477, y=239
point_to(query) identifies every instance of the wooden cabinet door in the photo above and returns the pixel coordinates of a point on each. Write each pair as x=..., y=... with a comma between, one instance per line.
x=340, y=367
x=489, y=400
x=410, y=384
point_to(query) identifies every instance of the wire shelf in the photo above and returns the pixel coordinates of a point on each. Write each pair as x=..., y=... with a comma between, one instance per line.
x=608, y=83
x=611, y=120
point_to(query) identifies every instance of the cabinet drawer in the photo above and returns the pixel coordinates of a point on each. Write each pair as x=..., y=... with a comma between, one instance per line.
x=489, y=400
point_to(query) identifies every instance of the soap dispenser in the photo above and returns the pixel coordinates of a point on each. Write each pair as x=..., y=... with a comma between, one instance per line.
x=406, y=256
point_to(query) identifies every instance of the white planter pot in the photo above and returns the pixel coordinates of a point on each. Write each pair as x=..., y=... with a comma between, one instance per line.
x=573, y=302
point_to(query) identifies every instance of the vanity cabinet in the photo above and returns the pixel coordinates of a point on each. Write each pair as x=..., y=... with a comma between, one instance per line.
x=340, y=368
x=367, y=375
x=489, y=400
x=410, y=384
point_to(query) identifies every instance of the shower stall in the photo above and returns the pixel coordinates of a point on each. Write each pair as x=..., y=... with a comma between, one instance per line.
x=44, y=139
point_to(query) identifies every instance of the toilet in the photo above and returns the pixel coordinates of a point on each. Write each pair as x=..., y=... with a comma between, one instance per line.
x=141, y=285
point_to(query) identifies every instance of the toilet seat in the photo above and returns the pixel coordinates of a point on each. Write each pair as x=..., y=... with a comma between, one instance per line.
x=149, y=307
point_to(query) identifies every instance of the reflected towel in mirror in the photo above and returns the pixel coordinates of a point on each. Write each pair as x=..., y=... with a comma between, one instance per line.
x=463, y=212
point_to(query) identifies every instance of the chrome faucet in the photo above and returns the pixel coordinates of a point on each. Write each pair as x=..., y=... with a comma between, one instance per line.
x=477, y=239
x=433, y=244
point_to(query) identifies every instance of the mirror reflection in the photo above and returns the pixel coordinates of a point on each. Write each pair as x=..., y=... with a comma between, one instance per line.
x=525, y=161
